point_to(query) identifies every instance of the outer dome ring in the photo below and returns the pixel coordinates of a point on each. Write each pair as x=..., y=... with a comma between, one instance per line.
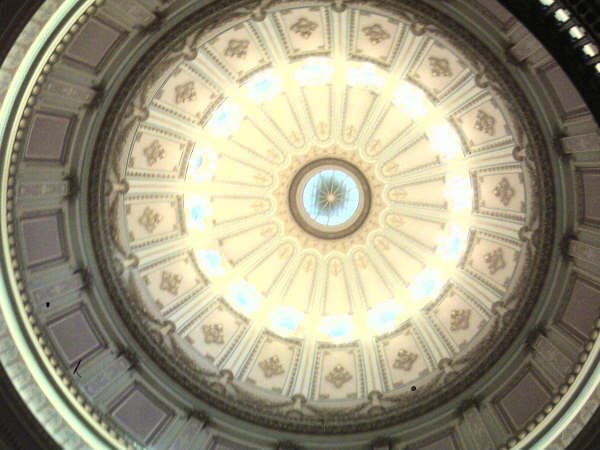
x=418, y=404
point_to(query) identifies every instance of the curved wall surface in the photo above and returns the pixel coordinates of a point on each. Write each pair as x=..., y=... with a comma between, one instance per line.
x=71, y=267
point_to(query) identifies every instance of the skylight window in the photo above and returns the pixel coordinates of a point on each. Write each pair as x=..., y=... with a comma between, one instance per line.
x=314, y=72
x=384, y=316
x=365, y=75
x=411, y=100
x=459, y=193
x=199, y=209
x=264, y=87
x=577, y=32
x=562, y=15
x=226, y=120
x=203, y=163
x=338, y=328
x=244, y=296
x=590, y=50
x=286, y=320
x=445, y=140
x=452, y=245
x=331, y=197
x=210, y=262
x=426, y=285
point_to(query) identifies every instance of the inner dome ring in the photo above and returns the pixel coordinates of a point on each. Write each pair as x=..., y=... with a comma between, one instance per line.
x=303, y=217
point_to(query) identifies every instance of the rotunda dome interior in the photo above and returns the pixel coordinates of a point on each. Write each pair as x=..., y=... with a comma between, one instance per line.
x=300, y=224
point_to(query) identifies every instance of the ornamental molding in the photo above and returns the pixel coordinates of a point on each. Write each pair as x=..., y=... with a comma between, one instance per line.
x=338, y=376
x=440, y=67
x=504, y=191
x=470, y=365
x=376, y=34
x=304, y=27
x=237, y=48
x=494, y=260
x=405, y=360
x=271, y=367
x=213, y=333
x=485, y=123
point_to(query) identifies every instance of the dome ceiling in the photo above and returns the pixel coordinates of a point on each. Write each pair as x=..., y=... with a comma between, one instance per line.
x=328, y=207
x=298, y=224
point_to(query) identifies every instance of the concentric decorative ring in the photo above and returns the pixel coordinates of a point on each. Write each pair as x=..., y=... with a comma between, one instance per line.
x=330, y=198
x=217, y=262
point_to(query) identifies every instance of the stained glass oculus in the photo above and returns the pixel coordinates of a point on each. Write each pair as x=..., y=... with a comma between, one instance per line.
x=331, y=197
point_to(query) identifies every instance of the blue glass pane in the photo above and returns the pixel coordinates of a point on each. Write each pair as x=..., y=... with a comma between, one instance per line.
x=198, y=213
x=245, y=296
x=331, y=197
x=339, y=330
x=210, y=260
x=198, y=160
x=263, y=86
x=454, y=245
